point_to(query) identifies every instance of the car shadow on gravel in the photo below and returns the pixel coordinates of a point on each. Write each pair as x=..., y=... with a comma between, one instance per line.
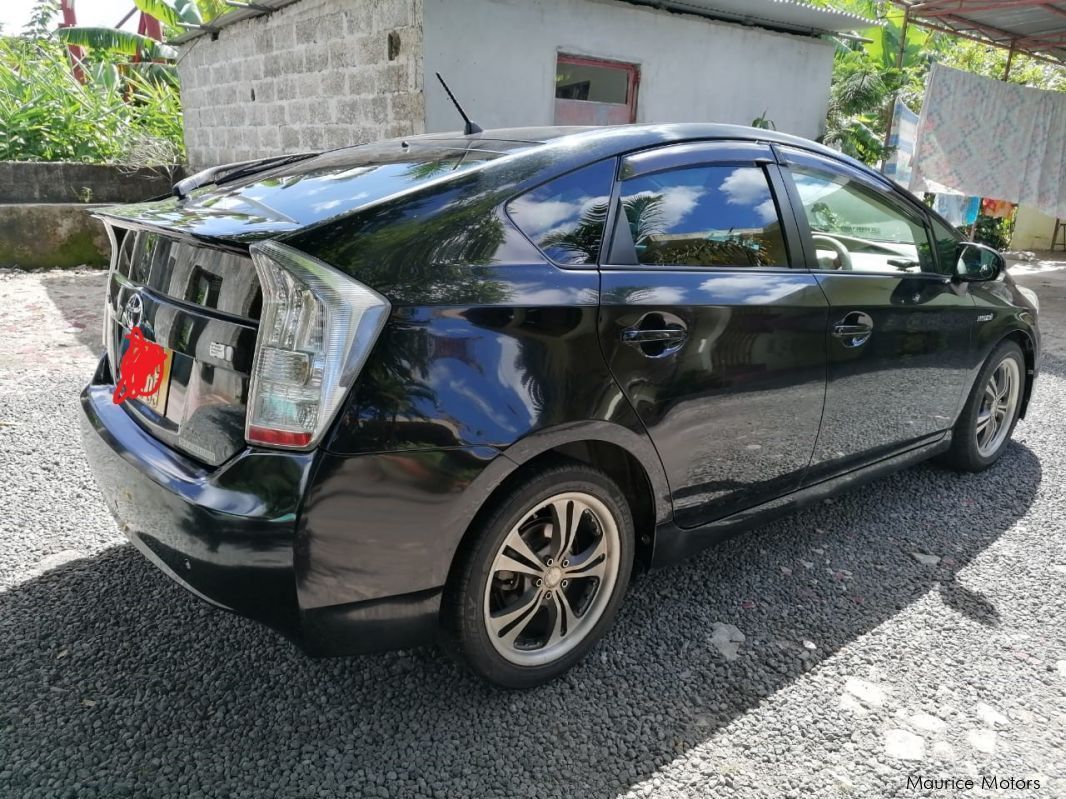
x=115, y=681
x=79, y=296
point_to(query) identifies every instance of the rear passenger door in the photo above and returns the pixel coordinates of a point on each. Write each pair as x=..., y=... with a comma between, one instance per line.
x=900, y=330
x=715, y=338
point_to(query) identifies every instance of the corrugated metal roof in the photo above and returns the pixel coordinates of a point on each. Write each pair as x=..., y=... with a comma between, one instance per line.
x=782, y=15
x=791, y=16
x=1034, y=27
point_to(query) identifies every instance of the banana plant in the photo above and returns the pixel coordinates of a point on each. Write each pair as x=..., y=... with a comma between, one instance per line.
x=124, y=52
x=48, y=114
x=175, y=15
x=120, y=42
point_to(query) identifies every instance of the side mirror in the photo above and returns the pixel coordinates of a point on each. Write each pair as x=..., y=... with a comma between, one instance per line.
x=978, y=263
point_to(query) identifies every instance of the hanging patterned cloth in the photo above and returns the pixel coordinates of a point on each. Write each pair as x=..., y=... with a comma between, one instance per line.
x=984, y=137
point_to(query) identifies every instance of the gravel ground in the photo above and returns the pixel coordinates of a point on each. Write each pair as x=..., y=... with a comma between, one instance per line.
x=913, y=628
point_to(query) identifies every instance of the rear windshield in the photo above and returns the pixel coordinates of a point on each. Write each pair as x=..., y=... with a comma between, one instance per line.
x=342, y=180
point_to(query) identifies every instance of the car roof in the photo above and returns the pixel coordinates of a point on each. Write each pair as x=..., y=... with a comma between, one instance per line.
x=633, y=136
x=507, y=161
x=588, y=144
x=649, y=133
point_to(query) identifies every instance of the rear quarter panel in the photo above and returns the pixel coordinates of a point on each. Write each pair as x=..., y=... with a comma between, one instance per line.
x=490, y=357
x=487, y=343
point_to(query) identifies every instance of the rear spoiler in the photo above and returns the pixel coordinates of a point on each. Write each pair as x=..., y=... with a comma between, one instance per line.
x=240, y=169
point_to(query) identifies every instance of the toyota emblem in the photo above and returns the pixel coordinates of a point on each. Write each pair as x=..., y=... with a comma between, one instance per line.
x=131, y=314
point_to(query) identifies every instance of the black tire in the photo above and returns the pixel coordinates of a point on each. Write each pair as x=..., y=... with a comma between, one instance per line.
x=465, y=630
x=964, y=454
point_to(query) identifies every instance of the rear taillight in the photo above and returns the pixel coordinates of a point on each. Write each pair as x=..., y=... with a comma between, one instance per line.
x=317, y=327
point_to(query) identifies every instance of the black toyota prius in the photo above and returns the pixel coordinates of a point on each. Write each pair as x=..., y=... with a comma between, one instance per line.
x=456, y=387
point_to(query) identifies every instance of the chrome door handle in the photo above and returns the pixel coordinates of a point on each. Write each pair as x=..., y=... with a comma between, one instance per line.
x=854, y=330
x=848, y=331
x=635, y=335
x=656, y=335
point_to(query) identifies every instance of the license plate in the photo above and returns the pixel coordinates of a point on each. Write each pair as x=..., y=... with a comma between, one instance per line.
x=157, y=400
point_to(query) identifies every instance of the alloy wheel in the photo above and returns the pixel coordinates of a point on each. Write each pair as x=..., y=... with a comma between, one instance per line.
x=552, y=578
x=998, y=405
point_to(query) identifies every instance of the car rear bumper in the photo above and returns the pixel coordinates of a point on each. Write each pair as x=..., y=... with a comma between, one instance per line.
x=229, y=535
x=226, y=535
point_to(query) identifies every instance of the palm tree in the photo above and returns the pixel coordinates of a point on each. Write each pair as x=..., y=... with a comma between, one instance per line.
x=425, y=170
x=856, y=103
x=644, y=212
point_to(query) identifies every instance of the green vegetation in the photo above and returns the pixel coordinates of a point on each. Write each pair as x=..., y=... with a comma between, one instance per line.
x=994, y=231
x=866, y=76
x=124, y=109
x=116, y=116
x=172, y=15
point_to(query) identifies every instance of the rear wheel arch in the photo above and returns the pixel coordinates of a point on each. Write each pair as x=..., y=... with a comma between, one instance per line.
x=629, y=474
x=644, y=484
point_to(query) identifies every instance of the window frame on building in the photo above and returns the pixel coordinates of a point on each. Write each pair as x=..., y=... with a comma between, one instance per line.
x=597, y=112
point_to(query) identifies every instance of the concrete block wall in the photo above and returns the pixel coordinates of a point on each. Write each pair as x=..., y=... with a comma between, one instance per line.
x=314, y=75
x=66, y=182
x=43, y=235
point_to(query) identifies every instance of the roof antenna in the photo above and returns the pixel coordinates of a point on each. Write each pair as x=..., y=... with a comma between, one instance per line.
x=470, y=127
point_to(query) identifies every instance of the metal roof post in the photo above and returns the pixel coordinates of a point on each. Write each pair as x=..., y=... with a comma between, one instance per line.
x=890, y=112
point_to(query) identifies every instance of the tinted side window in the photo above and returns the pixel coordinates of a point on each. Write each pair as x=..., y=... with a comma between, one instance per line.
x=704, y=216
x=565, y=216
x=875, y=235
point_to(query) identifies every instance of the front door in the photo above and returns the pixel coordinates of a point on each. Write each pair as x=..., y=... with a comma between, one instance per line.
x=717, y=341
x=899, y=334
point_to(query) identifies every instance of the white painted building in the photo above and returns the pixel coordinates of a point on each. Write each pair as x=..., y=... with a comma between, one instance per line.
x=1033, y=230
x=314, y=74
